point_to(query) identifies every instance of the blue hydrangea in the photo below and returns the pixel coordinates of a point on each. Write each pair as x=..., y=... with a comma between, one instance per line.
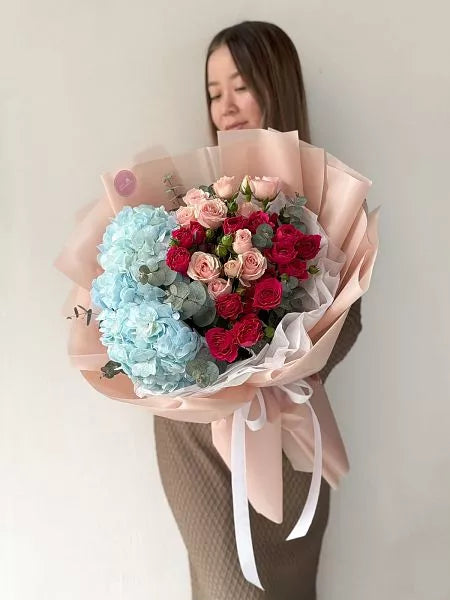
x=151, y=344
x=141, y=332
x=137, y=236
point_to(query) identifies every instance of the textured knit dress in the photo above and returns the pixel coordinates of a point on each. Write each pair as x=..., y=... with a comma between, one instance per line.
x=197, y=484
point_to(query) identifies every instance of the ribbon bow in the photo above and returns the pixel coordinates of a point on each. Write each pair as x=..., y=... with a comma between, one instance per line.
x=299, y=392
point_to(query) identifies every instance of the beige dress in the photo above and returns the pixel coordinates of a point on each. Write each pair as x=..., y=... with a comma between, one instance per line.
x=197, y=484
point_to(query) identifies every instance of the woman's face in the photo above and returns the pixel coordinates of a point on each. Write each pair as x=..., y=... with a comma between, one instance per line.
x=233, y=105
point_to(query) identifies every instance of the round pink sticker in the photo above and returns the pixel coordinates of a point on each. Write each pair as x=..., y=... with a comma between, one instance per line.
x=125, y=183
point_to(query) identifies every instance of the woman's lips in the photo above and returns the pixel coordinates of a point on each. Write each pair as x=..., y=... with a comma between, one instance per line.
x=240, y=125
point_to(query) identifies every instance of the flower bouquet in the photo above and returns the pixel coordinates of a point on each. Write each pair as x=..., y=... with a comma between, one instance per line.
x=215, y=298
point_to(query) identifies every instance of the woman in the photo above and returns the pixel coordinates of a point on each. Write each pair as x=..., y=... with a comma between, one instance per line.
x=253, y=80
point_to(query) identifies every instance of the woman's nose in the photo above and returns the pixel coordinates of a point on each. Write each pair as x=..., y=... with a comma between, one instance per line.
x=229, y=106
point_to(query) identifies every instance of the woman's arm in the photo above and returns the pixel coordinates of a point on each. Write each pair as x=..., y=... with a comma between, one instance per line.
x=347, y=337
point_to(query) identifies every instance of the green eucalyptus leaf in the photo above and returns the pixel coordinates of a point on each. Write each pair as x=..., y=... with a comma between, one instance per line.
x=292, y=282
x=259, y=241
x=297, y=304
x=265, y=229
x=170, y=276
x=188, y=309
x=179, y=289
x=298, y=225
x=294, y=212
x=197, y=292
x=207, y=374
x=206, y=315
x=300, y=200
x=193, y=365
x=156, y=278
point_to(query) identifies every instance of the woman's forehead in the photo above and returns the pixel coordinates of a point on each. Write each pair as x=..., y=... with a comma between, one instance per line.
x=221, y=66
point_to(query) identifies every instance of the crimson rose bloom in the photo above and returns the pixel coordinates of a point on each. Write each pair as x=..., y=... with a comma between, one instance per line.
x=184, y=237
x=198, y=231
x=232, y=224
x=229, y=306
x=297, y=268
x=286, y=233
x=273, y=220
x=248, y=331
x=258, y=218
x=222, y=344
x=178, y=259
x=247, y=299
x=268, y=294
x=308, y=246
x=282, y=253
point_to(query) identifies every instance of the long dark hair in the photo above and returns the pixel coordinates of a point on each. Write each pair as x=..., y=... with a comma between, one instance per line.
x=267, y=59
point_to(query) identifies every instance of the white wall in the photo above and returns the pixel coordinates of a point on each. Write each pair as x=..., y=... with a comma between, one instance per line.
x=84, y=86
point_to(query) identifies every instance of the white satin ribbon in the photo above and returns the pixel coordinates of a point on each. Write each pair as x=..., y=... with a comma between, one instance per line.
x=241, y=513
x=299, y=392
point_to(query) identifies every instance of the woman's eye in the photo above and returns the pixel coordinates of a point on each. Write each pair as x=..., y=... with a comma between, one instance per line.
x=216, y=97
x=241, y=89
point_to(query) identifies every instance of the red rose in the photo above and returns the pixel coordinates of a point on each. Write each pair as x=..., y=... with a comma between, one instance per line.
x=229, y=306
x=198, y=231
x=273, y=220
x=247, y=299
x=282, y=253
x=258, y=218
x=297, y=268
x=178, y=259
x=308, y=246
x=248, y=331
x=269, y=272
x=268, y=294
x=286, y=233
x=183, y=236
x=221, y=344
x=232, y=224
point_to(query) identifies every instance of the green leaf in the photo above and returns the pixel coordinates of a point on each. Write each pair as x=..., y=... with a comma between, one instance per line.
x=195, y=299
x=232, y=208
x=298, y=293
x=197, y=292
x=265, y=230
x=292, y=283
x=157, y=278
x=170, y=276
x=259, y=241
x=206, y=315
x=207, y=374
x=300, y=200
x=189, y=308
x=297, y=304
x=294, y=212
x=111, y=369
x=298, y=225
x=269, y=332
x=180, y=289
x=193, y=365
x=175, y=301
